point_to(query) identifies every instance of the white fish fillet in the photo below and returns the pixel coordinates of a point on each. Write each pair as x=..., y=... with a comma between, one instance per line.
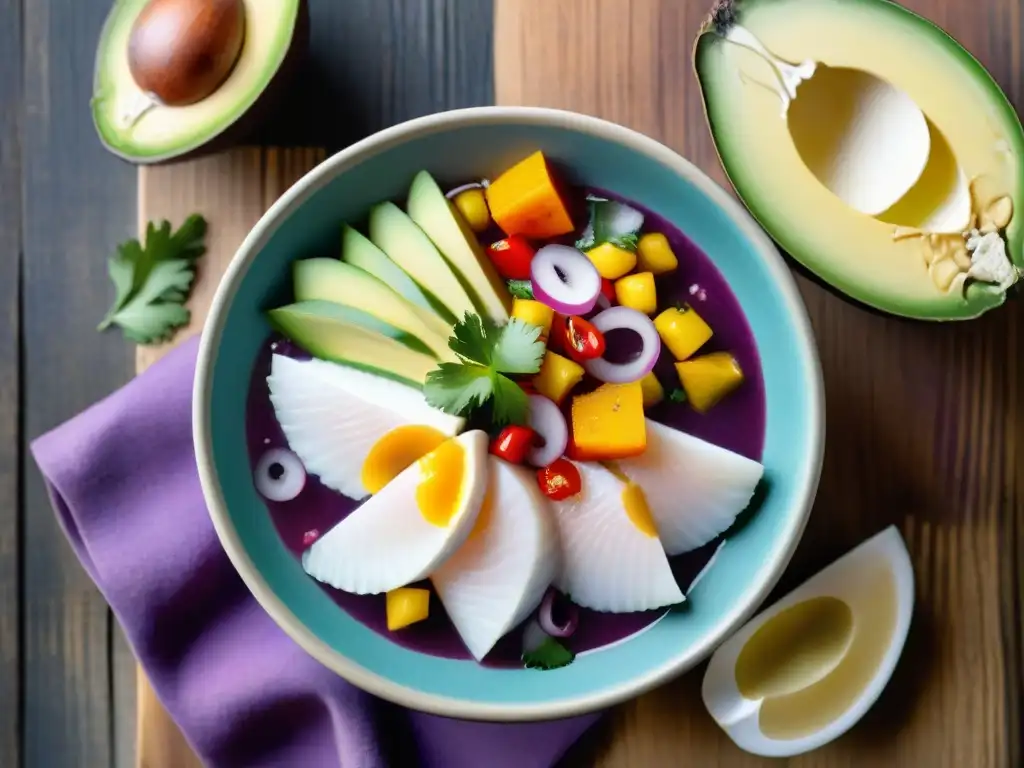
x=695, y=489
x=499, y=575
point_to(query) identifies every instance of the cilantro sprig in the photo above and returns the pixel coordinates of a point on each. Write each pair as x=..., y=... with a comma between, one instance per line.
x=152, y=281
x=486, y=354
x=550, y=654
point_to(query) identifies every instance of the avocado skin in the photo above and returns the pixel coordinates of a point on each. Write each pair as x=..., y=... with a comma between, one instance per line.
x=248, y=124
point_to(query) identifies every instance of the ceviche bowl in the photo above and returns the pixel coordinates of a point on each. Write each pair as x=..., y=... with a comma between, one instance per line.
x=393, y=320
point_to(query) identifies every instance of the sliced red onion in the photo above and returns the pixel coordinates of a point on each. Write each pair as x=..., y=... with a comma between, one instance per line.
x=642, y=364
x=279, y=475
x=565, y=280
x=547, y=421
x=602, y=302
x=546, y=617
x=482, y=184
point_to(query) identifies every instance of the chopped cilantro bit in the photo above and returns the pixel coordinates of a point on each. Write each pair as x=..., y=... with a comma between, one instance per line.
x=152, y=282
x=611, y=222
x=487, y=352
x=521, y=289
x=550, y=654
x=677, y=395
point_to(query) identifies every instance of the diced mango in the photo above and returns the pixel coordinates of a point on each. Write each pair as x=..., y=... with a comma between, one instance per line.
x=637, y=292
x=609, y=423
x=682, y=330
x=611, y=261
x=525, y=200
x=557, y=376
x=652, y=390
x=405, y=606
x=654, y=254
x=709, y=378
x=472, y=204
x=535, y=313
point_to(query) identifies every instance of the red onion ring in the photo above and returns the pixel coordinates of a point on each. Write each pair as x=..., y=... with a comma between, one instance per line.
x=548, y=422
x=565, y=280
x=631, y=320
x=483, y=184
x=546, y=617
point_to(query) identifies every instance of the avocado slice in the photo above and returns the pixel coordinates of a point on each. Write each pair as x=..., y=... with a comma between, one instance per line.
x=357, y=250
x=448, y=229
x=135, y=125
x=874, y=260
x=326, y=331
x=407, y=245
x=330, y=280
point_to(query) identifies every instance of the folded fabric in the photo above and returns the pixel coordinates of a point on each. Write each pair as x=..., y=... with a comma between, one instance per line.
x=124, y=484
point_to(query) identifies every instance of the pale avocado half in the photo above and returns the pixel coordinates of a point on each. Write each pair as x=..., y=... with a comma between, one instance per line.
x=135, y=128
x=859, y=255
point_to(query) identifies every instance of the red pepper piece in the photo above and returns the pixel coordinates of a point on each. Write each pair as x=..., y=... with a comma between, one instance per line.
x=608, y=289
x=582, y=340
x=511, y=257
x=513, y=443
x=560, y=480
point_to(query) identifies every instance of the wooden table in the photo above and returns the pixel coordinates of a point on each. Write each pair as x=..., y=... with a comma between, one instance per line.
x=926, y=423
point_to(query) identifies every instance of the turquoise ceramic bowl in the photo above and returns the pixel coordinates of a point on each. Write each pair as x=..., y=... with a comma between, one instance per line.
x=478, y=143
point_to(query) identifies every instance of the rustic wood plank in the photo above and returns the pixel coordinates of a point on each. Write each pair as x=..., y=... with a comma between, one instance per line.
x=78, y=204
x=927, y=435
x=10, y=277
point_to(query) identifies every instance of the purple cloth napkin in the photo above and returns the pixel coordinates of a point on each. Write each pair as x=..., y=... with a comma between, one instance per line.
x=123, y=481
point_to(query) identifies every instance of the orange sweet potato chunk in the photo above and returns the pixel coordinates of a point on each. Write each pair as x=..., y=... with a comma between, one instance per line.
x=525, y=200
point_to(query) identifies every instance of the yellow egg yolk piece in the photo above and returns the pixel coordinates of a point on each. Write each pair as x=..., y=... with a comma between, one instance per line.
x=483, y=517
x=639, y=513
x=440, y=491
x=397, y=450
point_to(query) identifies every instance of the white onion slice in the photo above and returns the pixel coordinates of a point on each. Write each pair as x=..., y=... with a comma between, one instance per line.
x=642, y=364
x=565, y=280
x=279, y=475
x=548, y=422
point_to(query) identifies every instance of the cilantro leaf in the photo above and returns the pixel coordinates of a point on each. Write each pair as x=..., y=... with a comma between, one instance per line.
x=677, y=395
x=610, y=222
x=486, y=354
x=458, y=388
x=518, y=348
x=152, y=282
x=521, y=289
x=550, y=654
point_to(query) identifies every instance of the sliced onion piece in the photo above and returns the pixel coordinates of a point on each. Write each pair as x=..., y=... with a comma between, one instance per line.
x=548, y=422
x=546, y=617
x=482, y=184
x=279, y=475
x=642, y=364
x=565, y=280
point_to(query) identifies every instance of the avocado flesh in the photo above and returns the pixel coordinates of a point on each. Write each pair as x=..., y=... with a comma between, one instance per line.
x=325, y=334
x=357, y=250
x=335, y=281
x=449, y=231
x=163, y=132
x=408, y=246
x=855, y=253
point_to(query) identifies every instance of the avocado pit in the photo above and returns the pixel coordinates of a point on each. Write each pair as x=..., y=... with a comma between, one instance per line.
x=181, y=51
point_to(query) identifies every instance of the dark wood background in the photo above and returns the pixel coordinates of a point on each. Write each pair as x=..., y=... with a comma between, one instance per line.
x=926, y=423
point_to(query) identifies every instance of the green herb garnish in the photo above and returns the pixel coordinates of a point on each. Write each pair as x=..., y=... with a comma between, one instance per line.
x=611, y=222
x=487, y=353
x=550, y=654
x=677, y=395
x=152, y=282
x=521, y=289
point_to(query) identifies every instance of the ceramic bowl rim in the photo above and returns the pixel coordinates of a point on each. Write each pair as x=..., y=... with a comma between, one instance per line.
x=806, y=485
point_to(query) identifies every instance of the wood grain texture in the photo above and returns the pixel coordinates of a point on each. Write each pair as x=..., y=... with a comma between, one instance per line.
x=10, y=277
x=78, y=203
x=925, y=422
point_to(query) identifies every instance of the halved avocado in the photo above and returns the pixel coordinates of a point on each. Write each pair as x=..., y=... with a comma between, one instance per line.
x=199, y=112
x=891, y=268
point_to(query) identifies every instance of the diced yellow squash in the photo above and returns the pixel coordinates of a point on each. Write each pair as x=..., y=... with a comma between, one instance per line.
x=611, y=261
x=406, y=605
x=682, y=330
x=535, y=313
x=472, y=204
x=525, y=200
x=709, y=378
x=652, y=390
x=557, y=376
x=654, y=254
x=609, y=423
x=637, y=292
